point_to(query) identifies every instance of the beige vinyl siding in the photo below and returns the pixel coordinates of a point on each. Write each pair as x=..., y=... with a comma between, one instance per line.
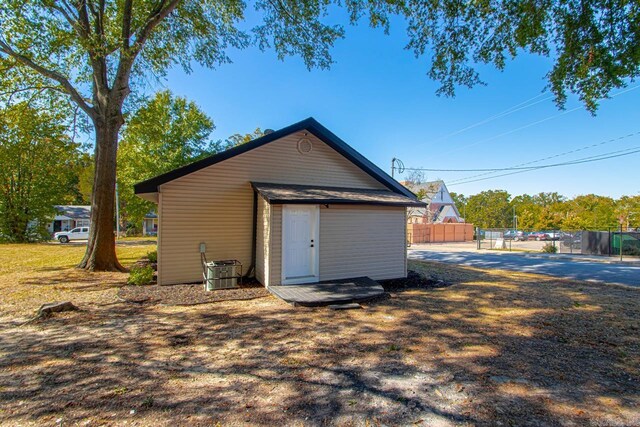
x=215, y=205
x=362, y=241
x=275, y=258
x=406, y=266
x=354, y=241
x=159, y=243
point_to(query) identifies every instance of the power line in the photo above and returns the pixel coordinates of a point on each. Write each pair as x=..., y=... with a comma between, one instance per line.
x=586, y=160
x=568, y=163
x=511, y=110
x=537, y=122
x=555, y=155
x=522, y=166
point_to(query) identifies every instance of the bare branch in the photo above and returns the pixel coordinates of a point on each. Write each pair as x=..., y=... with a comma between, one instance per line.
x=154, y=19
x=128, y=56
x=98, y=63
x=73, y=21
x=54, y=75
x=30, y=88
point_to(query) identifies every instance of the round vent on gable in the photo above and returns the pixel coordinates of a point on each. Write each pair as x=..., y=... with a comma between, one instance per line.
x=305, y=146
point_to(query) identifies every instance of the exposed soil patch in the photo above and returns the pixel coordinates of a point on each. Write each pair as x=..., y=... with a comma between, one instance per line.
x=414, y=280
x=497, y=349
x=190, y=294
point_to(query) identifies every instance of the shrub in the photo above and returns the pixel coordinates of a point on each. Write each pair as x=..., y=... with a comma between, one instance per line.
x=141, y=275
x=152, y=256
x=631, y=247
x=549, y=248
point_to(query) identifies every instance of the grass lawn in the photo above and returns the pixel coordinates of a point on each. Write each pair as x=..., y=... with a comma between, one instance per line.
x=34, y=274
x=495, y=348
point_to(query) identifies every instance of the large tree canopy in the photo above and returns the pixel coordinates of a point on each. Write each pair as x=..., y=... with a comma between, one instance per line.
x=550, y=211
x=37, y=162
x=489, y=209
x=165, y=133
x=96, y=51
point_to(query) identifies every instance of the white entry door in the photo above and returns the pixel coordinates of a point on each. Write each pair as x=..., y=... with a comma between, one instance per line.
x=300, y=225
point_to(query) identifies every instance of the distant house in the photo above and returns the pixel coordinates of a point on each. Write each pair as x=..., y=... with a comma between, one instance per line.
x=150, y=224
x=69, y=217
x=441, y=209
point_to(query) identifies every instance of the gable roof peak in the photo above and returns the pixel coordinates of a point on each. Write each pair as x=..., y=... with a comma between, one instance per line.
x=310, y=125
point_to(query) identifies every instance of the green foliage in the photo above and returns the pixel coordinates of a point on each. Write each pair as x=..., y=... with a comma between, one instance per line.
x=628, y=208
x=590, y=211
x=36, y=170
x=549, y=248
x=631, y=248
x=461, y=203
x=84, y=173
x=551, y=211
x=593, y=45
x=542, y=211
x=152, y=256
x=95, y=53
x=140, y=275
x=239, y=139
x=490, y=209
x=166, y=132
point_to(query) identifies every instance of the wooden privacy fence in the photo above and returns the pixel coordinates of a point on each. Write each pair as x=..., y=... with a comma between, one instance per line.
x=434, y=233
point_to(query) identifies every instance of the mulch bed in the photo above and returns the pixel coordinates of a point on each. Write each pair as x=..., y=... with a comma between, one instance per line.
x=190, y=294
x=414, y=280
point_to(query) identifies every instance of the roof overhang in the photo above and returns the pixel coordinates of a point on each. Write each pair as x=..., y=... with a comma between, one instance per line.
x=278, y=194
x=146, y=188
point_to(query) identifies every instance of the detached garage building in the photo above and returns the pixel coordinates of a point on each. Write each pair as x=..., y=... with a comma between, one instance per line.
x=297, y=205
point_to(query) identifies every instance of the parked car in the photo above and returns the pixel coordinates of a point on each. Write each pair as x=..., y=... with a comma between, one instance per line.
x=552, y=235
x=78, y=233
x=514, y=235
x=536, y=235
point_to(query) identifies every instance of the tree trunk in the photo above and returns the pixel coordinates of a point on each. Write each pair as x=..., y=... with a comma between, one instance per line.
x=101, y=248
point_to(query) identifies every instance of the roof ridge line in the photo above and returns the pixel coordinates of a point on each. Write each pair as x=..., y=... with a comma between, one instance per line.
x=310, y=124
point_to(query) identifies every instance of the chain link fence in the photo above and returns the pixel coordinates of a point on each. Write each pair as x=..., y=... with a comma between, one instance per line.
x=607, y=242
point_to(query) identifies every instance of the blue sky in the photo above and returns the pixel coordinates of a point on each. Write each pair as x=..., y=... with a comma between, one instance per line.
x=378, y=98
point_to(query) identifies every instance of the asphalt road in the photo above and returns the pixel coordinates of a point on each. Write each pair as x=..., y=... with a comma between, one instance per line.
x=623, y=273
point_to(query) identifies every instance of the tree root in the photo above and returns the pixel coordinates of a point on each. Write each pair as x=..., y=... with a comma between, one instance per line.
x=48, y=309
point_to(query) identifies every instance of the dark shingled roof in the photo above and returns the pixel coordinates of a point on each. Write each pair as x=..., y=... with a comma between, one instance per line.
x=74, y=211
x=308, y=194
x=311, y=125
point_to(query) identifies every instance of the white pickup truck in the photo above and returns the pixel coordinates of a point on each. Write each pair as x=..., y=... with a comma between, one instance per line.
x=78, y=233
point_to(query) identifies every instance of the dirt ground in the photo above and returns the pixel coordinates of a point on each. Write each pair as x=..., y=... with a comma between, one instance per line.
x=190, y=294
x=495, y=348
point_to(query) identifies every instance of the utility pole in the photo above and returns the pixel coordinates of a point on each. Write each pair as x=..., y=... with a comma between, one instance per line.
x=395, y=161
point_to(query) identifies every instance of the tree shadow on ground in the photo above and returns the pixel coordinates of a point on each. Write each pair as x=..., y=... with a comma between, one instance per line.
x=491, y=349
